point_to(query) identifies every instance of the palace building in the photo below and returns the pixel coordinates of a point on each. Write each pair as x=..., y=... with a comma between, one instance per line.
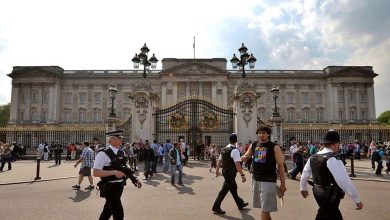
x=199, y=100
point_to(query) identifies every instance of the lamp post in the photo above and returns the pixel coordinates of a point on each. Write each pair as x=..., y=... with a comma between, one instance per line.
x=112, y=92
x=142, y=58
x=245, y=59
x=275, y=92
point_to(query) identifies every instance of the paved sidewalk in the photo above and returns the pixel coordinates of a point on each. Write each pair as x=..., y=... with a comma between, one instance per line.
x=25, y=171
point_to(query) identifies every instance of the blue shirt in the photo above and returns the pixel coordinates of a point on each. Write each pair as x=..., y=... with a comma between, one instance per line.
x=178, y=158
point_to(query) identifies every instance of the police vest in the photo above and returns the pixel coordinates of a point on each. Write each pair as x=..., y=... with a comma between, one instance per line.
x=320, y=172
x=227, y=160
x=115, y=159
x=264, y=162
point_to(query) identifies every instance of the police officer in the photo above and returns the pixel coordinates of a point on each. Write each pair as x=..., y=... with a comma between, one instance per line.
x=330, y=179
x=113, y=177
x=230, y=159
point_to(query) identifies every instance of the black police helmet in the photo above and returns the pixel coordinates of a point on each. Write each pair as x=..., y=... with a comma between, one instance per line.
x=331, y=137
x=233, y=138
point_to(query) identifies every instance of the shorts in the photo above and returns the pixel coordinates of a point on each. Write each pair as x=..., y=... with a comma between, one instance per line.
x=85, y=171
x=264, y=196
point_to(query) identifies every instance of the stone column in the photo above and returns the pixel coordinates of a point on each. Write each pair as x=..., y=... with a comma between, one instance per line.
x=357, y=104
x=335, y=103
x=200, y=89
x=224, y=95
x=371, y=102
x=27, y=115
x=163, y=94
x=346, y=104
x=51, y=104
x=14, y=104
x=174, y=93
x=188, y=89
x=56, y=104
x=214, y=92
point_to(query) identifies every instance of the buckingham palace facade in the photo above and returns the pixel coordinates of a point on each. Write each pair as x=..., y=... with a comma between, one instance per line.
x=199, y=100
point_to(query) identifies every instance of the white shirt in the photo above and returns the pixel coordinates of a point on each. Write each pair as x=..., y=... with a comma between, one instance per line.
x=102, y=159
x=337, y=169
x=235, y=154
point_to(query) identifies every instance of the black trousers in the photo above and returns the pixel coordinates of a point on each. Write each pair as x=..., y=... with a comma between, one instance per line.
x=8, y=160
x=113, y=206
x=328, y=210
x=57, y=158
x=229, y=185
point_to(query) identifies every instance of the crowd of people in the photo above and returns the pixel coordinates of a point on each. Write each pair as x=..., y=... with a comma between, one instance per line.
x=263, y=158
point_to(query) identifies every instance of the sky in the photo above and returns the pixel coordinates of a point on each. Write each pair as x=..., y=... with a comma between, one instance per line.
x=289, y=34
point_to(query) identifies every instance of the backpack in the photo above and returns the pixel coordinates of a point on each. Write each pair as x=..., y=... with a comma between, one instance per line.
x=375, y=156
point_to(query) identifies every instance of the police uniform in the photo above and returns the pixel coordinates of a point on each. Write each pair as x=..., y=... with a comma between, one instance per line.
x=229, y=156
x=330, y=180
x=112, y=187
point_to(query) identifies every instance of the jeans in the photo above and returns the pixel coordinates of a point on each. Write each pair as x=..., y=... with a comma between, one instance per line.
x=173, y=171
x=167, y=163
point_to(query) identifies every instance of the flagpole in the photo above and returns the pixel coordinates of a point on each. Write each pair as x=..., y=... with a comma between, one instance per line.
x=194, y=47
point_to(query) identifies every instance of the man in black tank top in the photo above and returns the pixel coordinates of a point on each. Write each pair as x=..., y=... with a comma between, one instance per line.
x=265, y=156
x=230, y=162
x=330, y=179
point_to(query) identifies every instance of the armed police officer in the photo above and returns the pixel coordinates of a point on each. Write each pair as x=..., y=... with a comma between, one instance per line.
x=230, y=159
x=111, y=167
x=330, y=179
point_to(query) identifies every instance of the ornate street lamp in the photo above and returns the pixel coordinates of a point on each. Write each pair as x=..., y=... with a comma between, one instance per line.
x=142, y=58
x=275, y=92
x=112, y=91
x=245, y=59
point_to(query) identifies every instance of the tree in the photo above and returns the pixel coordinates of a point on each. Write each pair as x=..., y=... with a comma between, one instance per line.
x=384, y=117
x=4, y=114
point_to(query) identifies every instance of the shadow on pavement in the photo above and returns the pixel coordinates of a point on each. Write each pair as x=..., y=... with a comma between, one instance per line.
x=184, y=190
x=81, y=195
x=246, y=216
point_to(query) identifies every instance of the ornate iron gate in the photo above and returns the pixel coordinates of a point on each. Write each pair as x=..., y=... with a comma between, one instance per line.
x=196, y=120
x=126, y=127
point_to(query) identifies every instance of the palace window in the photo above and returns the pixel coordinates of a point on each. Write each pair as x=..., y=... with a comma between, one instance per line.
x=34, y=114
x=341, y=115
x=305, y=98
x=67, y=117
x=21, y=115
x=351, y=97
x=305, y=115
x=96, y=116
x=98, y=97
x=290, y=98
x=320, y=115
x=319, y=98
x=68, y=98
x=341, y=96
x=290, y=115
x=362, y=97
x=44, y=116
x=45, y=97
x=82, y=116
x=34, y=97
x=82, y=98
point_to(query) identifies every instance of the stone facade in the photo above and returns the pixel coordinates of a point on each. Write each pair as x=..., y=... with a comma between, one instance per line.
x=52, y=95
